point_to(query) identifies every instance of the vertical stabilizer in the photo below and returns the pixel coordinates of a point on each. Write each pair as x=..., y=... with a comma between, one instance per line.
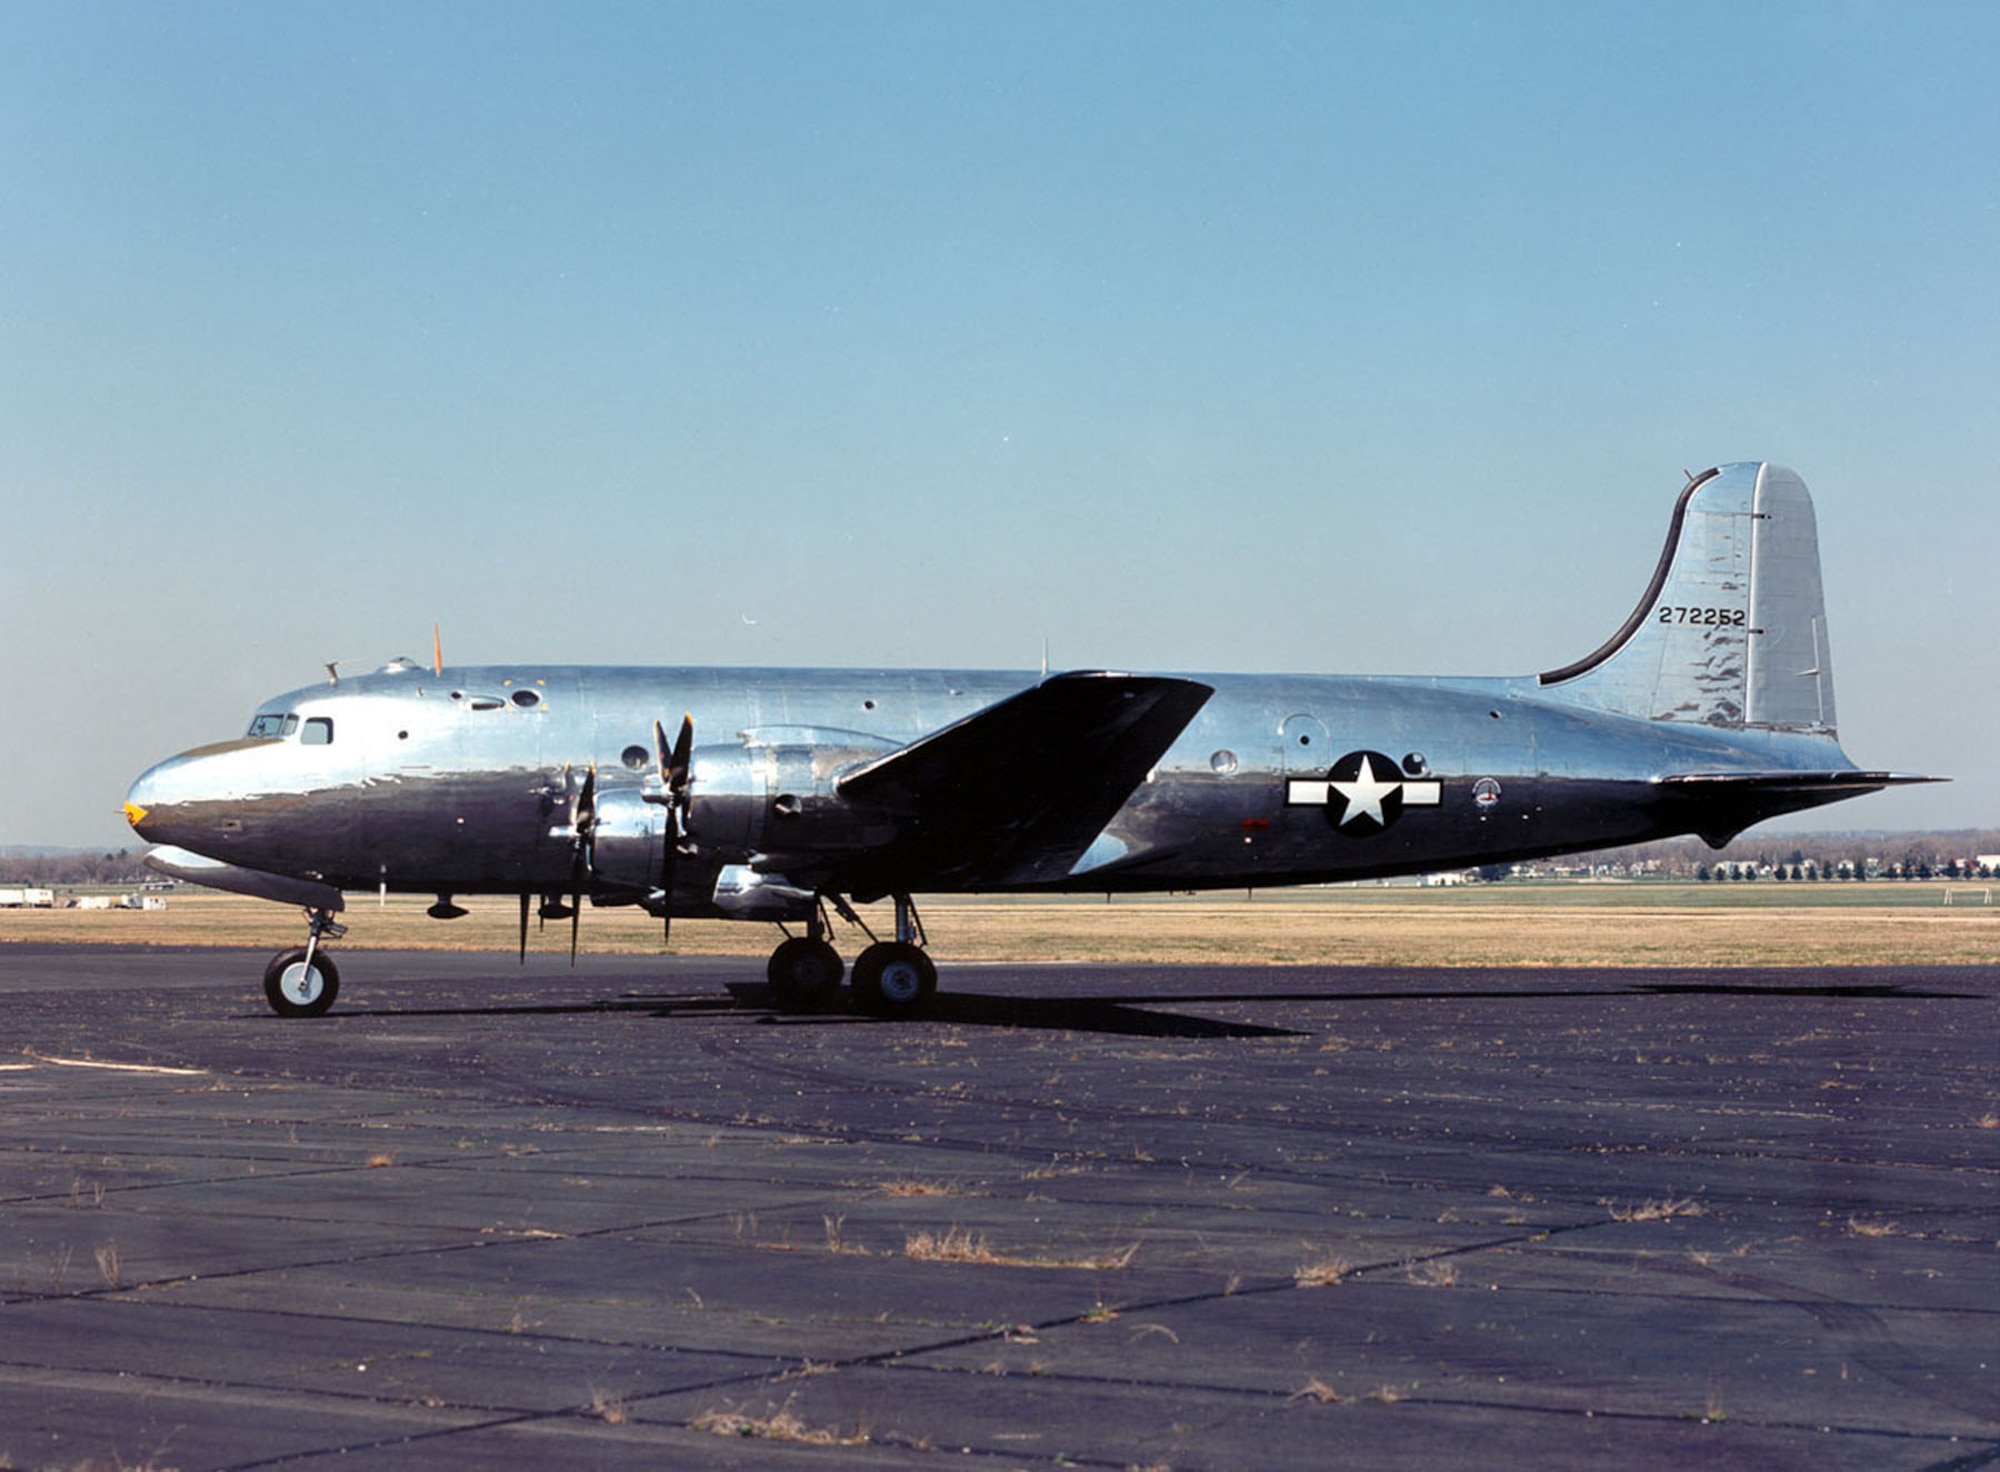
x=1732, y=630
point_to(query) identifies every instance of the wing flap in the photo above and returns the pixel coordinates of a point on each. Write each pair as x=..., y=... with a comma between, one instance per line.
x=1016, y=793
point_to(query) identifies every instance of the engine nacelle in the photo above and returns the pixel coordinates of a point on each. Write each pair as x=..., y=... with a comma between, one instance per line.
x=765, y=804
x=628, y=846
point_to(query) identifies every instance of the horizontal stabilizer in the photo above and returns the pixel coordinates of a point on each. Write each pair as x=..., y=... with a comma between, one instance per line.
x=1016, y=792
x=1729, y=802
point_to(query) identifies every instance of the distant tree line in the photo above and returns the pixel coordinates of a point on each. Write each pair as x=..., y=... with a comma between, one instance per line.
x=126, y=866
x=1946, y=855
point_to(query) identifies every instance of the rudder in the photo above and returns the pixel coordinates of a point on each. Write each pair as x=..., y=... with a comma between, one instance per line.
x=1732, y=630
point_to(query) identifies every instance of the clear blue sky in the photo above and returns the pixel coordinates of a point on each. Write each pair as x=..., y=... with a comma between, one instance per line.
x=1317, y=337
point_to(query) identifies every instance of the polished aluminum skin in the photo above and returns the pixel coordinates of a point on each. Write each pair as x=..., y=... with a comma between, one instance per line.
x=1711, y=709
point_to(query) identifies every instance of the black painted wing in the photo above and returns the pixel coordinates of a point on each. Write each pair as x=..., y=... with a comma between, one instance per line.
x=1015, y=793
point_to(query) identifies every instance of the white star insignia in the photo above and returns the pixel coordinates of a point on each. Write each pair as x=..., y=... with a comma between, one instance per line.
x=1364, y=795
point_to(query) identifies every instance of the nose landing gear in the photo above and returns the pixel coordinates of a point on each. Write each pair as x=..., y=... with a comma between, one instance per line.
x=304, y=982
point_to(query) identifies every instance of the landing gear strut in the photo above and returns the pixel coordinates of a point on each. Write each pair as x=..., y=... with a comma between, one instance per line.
x=304, y=982
x=892, y=978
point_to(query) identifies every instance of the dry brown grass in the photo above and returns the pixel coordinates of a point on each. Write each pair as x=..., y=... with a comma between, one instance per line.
x=1435, y=1272
x=1858, y=1228
x=783, y=1424
x=1322, y=1270
x=910, y=1186
x=1489, y=925
x=1656, y=1211
x=960, y=1245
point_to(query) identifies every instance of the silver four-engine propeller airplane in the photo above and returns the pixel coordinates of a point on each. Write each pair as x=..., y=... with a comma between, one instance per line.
x=793, y=795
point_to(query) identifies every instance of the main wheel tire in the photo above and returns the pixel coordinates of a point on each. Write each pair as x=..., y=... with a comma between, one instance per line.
x=893, y=979
x=295, y=989
x=804, y=975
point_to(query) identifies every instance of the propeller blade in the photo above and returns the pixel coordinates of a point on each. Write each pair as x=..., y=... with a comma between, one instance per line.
x=683, y=750
x=673, y=765
x=585, y=824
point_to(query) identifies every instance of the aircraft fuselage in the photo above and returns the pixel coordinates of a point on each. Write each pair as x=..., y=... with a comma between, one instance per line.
x=465, y=781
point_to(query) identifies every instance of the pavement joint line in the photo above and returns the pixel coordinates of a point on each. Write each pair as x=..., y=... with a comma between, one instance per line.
x=496, y=1418
x=889, y=1357
x=886, y=1358
x=470, y=1331
x=1469, y=1402
x=1971, y=1462
x=290, y=1393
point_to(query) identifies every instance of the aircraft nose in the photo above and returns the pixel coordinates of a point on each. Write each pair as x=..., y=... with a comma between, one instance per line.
x=152, y=799
x=140, y=801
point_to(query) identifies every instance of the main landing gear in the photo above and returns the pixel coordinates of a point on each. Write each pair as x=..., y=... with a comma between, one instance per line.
x=892, y=978
x=304, y=982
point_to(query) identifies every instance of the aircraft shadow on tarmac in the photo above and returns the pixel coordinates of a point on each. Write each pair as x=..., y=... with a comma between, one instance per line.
x=1116, y=1016
x=1828, y=990
x=1132, y=1014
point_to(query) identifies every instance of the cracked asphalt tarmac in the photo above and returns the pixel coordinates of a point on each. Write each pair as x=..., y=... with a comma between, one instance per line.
x=1101, y=1215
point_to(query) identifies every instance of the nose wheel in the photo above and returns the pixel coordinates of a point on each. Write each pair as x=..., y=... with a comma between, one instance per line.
x=304, y=982
x=300, y=985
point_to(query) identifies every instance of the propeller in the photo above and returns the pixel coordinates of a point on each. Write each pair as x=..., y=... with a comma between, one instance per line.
x=674, y=792
x=583, y=821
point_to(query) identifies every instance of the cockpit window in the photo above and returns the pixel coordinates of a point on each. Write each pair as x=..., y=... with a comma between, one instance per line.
x=272, y=724
x=318, y=732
